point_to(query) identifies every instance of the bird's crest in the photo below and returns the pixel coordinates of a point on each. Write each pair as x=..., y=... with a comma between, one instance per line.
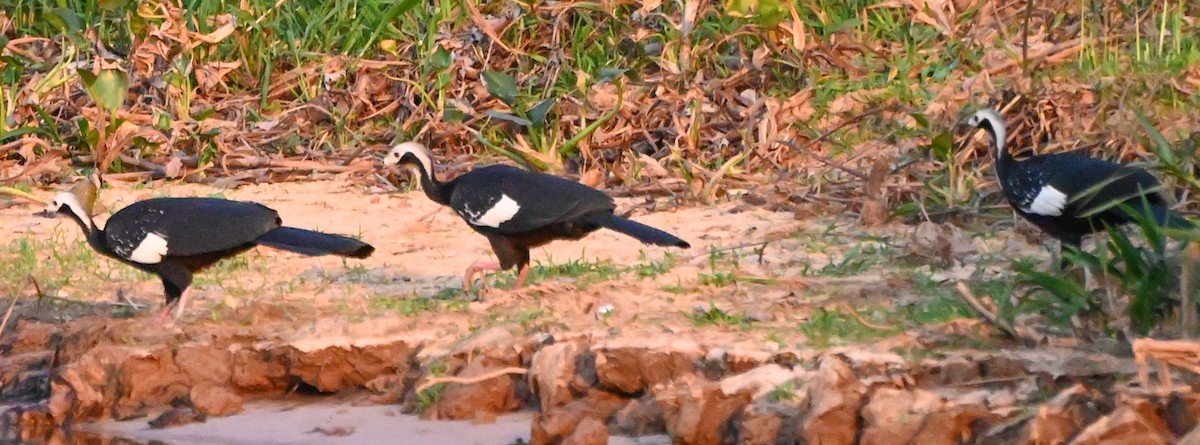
x=994, y=122
x=414, y=148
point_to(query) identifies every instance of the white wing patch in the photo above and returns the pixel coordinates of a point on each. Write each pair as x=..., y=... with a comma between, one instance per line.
x=1048, y=202
x=151, y=250
x=502, y=211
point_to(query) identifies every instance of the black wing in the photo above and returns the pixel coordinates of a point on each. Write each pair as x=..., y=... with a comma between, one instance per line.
x=191, y=226
x=1091, y=183
x=541, y=199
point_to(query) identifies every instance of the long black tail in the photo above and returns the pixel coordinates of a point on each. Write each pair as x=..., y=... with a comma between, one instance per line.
x=642, y=232
x=1167, y=218
x=312, y=243
x=1175, y=221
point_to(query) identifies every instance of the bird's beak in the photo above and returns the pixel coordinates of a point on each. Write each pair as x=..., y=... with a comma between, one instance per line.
x=389, y=161
x=46, y=214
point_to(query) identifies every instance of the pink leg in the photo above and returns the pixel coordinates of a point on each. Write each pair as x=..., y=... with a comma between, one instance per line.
x=162, y=314
x=476, y=267
x=178, y=307
x=521, y=276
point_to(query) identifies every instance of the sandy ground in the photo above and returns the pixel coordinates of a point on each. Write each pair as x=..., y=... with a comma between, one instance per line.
x=416, y=259
x=333, y=424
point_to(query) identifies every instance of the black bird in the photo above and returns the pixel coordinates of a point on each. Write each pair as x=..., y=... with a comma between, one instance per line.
x=177, y=237
x=1070, y=195
x=518, y=209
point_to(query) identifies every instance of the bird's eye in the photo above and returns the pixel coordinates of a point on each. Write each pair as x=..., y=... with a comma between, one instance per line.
x=395, y=155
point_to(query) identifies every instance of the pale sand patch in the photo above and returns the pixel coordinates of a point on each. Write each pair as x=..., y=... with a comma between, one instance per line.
x=293, y=423
x=297, y=423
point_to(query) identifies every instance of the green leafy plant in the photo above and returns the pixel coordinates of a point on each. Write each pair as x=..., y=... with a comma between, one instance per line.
x=1141, y=272
x=714, y=316
x=522, y=112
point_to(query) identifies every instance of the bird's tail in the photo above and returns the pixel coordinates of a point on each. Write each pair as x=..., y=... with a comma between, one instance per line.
x=312, y=243
x=641, y=232
x=1174, y=220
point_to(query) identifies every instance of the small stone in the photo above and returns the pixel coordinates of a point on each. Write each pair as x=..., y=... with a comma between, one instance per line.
x=1137, y=421
x=216, y=401
x=589, y=432
x=835, y=395
x=177, y=417
x=465, y=401
x=551, y=372
x=641, y=417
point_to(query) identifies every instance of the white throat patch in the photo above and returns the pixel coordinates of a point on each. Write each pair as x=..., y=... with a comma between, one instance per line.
x=502, y=211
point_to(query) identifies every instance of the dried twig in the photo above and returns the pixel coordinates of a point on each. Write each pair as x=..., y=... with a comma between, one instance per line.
x=708, y=194
x=486, y=27
x=8, y=313
x=132, y=305
x=1183, y=354
x=761, y=243
x=853, y=313
x=978, y=306
x=473, y=379
x=1055, y=52
x=825, y=159
x=37, y=287
x=17, y=296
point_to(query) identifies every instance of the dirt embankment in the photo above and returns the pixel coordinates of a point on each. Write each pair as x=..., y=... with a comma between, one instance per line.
x=585, y=390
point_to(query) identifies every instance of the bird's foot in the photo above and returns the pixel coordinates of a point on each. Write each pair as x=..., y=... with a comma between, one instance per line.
x=475, y=268
x=164, y=313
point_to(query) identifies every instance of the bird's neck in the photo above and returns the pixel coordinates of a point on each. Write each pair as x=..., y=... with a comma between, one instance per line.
x=437, y=191
x=95, y=236
x=97, y=240
x=1004, y=159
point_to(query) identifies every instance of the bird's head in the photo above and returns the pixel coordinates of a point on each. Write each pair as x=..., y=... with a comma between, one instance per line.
x=412, y=155
x=989, y=120
x=66, y=203
x=986, y=116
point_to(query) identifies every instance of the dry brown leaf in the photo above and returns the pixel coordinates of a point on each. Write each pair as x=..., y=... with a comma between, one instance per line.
x=211, y=74
x=796, y=28
x=651, y=167
x=230, y=25
x=485, y=25
x=173, y=167
x=593, y=178
x=1136, y=421
x=266, y=125
x=846, y=103
x=940, y=19
x=649, y=6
